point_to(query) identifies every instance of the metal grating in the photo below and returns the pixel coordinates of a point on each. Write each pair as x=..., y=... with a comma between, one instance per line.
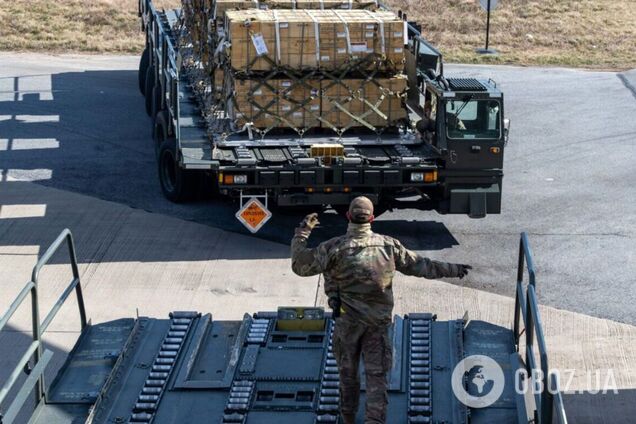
x=163, y=365
x=465, y=84
x=327, y=410
x=419, y=400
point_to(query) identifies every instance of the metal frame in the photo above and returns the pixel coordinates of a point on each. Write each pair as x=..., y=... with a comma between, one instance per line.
x=527, y=308
x=40, y=357
x=164, y=56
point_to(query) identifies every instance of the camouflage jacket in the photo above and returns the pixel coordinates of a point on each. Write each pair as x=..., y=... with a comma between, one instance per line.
x=359, y=266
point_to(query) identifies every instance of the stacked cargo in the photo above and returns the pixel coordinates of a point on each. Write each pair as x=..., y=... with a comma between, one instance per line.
x=331, y=40
x=306, y=65
x=219, y=7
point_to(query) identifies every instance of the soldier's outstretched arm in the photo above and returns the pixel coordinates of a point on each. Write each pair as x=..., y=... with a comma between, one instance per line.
x=306, y=261
x=411, y=263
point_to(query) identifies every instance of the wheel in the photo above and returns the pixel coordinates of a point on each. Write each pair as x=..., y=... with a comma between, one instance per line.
x=144, y=61
x=156, y=100
x=150, y=84
x=177, y=184
x=160, y=129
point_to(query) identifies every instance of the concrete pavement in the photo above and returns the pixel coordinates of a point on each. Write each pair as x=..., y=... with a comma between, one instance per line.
x=78, y=123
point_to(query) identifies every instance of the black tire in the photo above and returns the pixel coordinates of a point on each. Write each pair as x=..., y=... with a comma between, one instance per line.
x=150, y=84
x=144, y=62
x=160, y=129
x=156, y=100
x=177, y=184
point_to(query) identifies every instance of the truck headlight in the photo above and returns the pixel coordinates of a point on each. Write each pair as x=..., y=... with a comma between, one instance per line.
x=424, y=177
x=417, y=177
x=240, y=179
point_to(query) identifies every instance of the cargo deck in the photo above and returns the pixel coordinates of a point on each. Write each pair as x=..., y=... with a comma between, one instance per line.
x=272, y=366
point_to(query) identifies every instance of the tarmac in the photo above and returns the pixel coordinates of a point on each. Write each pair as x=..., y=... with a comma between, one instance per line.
x=75, y=152
x=77, y=123
x=135, y=262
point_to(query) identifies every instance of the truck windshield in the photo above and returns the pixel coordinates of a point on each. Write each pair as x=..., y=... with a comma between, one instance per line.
x=473, y=119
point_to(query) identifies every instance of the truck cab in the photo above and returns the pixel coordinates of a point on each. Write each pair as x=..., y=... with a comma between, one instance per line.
x=463, y=120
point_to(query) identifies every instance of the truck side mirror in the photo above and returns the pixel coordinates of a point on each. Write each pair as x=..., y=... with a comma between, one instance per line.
x=506, y=128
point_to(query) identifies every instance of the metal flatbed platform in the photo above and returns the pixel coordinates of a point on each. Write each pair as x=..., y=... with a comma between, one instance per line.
x=271, y=367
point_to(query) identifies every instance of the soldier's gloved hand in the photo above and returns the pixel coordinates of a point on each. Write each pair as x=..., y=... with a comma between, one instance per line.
x=335, y=304
x=463, y=270
x=310, y=221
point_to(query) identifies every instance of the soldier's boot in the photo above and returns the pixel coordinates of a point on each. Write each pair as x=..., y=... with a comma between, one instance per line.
x=348, y=418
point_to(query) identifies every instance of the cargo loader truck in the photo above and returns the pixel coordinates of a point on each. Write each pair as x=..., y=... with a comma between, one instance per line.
x=445, y=153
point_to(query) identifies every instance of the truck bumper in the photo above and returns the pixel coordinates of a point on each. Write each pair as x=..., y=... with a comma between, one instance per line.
x=300, y=199
x=476, y=202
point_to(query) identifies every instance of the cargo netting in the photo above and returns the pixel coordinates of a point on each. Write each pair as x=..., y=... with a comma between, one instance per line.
x=329, y=66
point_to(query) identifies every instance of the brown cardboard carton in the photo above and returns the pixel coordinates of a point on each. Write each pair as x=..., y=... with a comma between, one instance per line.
x=277, y=103
x=262, y=40
x=363, y=103
x=219, y=7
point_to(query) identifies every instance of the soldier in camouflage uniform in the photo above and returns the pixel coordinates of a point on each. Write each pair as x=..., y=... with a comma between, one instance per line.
x=358, y=270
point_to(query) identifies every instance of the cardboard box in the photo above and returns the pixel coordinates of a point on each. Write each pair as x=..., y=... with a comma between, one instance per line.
x=262, y=40
x=283, y=103
x=219, y=7
x=277, y=103
x=377, y=102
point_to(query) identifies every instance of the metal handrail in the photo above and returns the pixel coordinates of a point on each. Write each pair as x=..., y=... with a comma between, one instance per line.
x=527, y=309
x=35, y=349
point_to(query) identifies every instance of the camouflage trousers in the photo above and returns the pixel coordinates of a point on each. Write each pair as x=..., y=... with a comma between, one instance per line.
x=352, y=340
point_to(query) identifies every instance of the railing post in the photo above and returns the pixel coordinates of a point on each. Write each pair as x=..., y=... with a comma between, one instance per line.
x=516, y=319
x=76, y=276
x=529, y=327
x=546, y=396
x=35, y=324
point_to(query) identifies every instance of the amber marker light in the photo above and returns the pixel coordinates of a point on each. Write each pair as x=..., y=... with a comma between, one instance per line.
x=430, y=177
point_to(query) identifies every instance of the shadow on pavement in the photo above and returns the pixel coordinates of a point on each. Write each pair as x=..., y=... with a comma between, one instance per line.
x=13, y=344
x=88, y=133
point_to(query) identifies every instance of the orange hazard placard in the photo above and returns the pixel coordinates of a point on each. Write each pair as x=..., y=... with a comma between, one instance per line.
x=253, y=215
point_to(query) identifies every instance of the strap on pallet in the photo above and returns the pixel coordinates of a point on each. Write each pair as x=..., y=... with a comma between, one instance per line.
x=316, y=34
x=381, y=23
x=277, y=31
x=354, y=117
x=346, y=27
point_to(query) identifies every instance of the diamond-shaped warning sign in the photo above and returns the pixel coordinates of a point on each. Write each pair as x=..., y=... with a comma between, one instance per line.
x=253, y=215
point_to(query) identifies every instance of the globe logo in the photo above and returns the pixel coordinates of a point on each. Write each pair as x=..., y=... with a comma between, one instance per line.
x=484, y=379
